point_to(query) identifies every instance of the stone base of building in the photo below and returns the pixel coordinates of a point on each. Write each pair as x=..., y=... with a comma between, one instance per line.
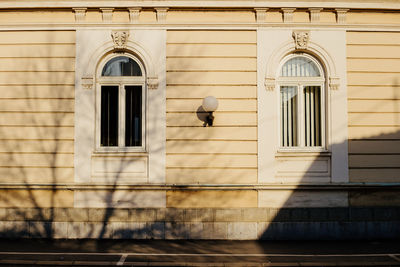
x=227, y=224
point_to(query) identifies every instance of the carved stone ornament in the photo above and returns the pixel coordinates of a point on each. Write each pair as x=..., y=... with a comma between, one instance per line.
x=301, y=39
x=334, y=83
x=269, y=84
x=152, y=83
x=120, y=39
x=87, y=83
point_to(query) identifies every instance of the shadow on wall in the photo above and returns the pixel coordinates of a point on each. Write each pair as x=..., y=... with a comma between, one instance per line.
x=366, y=208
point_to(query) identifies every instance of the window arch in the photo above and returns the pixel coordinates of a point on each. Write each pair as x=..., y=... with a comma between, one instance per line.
x=302, y=102
x=121, y=103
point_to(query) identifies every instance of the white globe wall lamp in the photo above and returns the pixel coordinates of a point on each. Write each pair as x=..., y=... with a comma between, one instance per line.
x=210, y=104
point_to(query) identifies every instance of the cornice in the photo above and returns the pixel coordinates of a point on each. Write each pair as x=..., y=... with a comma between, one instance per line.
x=355, y=4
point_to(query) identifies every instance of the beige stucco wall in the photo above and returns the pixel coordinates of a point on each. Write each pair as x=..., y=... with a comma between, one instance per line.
x=373, y=63
x=37, y=106
x=222, y=64
x=37, y=79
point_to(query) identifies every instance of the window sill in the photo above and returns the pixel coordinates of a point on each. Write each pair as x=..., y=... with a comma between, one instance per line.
x=118, y=153
x=303, y=153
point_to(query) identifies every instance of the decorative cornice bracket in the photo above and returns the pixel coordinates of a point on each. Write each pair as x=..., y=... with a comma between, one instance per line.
x=87, y=83
x=134, y=14
x=334, y=83
x=161, y=14
x=288, y=14
x=261, y=14
x=152, y=83
x=341, y=15
x=269, y=83
x=80, y=14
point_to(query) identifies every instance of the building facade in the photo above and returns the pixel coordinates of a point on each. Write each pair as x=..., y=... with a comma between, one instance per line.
x=104, y=135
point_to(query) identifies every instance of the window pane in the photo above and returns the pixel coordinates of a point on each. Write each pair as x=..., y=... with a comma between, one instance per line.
x=121, y=66
x=288, y=116
x=109, y=116
x=133, y=112
x=300, y=67
x=312, y=115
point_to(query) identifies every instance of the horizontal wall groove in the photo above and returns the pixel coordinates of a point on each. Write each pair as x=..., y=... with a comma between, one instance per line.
x=208, y=84
x=373, y=112
x=203, y=43
x=210, y=139
x=211, y=154
x=373, y=99
x=374, y=168
x=375, y=125
x=38, y=153
x=215, y=112
x=200, y=98
x=44, y=126
x=373, y=71
x=206, y=71
x=372, y=140
x=36, y=71
x=372, y=44
x=373, y=57
x=211, y=168
x=38, y=140
x=215, y=126
x=374, y=154
x=211, y=57
x=37, y=84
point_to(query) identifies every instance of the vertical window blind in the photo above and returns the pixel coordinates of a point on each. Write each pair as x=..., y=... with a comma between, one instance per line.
x=301, y=107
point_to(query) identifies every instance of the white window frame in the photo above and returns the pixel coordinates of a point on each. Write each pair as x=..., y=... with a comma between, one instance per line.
x=121, y=82
x=300, y=83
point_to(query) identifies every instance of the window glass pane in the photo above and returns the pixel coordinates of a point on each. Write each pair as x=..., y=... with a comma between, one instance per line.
x=121, y=66
x=109, y=116
x=312, y=115
x=300, y=67
x=288, y=116
x=133, y=113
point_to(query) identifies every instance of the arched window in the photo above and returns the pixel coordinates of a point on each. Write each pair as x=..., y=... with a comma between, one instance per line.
x=302, y=102
x=122, y=100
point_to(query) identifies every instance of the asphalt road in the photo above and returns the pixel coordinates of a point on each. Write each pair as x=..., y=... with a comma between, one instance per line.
x=32, y=252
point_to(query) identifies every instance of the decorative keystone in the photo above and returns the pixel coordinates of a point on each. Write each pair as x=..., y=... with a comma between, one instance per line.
x=120, y=39
x=301, y=39
x=80, y=14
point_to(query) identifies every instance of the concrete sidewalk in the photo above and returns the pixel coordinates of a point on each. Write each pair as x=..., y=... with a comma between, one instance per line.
x=39, y=252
